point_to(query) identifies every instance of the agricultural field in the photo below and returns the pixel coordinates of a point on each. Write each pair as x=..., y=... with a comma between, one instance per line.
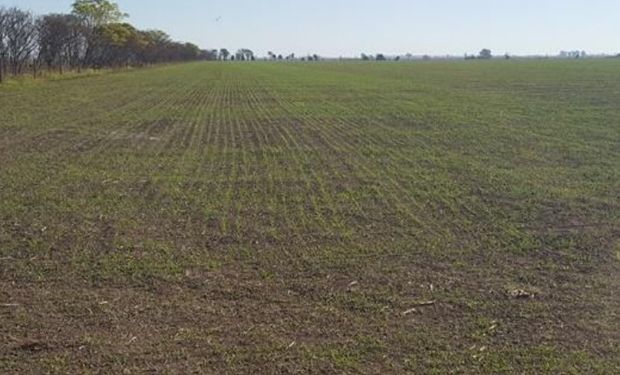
x=429, y=217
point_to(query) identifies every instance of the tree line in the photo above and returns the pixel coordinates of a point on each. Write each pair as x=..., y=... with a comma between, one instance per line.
x=245, y=54
x=93, y=35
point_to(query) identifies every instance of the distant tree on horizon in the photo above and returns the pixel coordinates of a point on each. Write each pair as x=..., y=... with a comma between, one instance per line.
x=209, y=54
x=485, y=54
x=573, y=54
x=245, y=54
x=224, y=53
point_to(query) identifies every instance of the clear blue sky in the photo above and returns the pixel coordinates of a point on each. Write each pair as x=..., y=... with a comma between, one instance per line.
x=349, y=27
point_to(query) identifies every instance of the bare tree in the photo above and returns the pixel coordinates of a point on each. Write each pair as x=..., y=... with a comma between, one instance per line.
x=56, y=33
x=3, y=50
x=21, y=38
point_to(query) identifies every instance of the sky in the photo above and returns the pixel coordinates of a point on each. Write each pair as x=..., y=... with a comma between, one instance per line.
x=334, y=28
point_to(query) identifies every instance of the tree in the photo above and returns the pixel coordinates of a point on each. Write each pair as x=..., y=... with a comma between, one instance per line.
x=224, y=53
x=93, y=15
x=365, y=57
x=115, y=44
x=208, y=54
x=56, y=34
x=3, y=50
x=245, y=54
x=572, y=54
x=20, y=38
x=380, y=57
x=96, y=13
x=156, y=43
x=485, y=54
x=190, y=51
x=91, y=36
